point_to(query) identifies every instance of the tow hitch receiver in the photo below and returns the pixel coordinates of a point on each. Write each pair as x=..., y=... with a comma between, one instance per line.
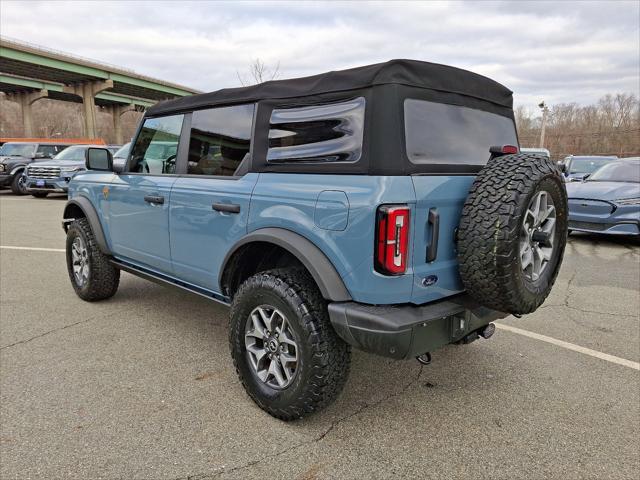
x=485, y=332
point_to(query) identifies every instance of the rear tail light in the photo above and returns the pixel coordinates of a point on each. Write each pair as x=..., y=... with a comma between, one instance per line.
x=392, y=239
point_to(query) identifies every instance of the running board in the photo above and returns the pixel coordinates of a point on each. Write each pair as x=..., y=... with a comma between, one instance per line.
x=168, y=281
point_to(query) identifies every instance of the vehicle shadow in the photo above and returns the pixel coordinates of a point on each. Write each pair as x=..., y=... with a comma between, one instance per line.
x=373, y=380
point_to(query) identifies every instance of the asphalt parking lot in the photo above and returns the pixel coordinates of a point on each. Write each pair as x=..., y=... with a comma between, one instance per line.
x=142, y=386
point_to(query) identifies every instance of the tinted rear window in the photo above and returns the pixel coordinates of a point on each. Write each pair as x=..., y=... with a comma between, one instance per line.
x=317, y=133
x=437, y=133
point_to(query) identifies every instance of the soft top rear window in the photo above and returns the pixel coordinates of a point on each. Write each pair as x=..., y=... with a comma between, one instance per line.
x=443, y=134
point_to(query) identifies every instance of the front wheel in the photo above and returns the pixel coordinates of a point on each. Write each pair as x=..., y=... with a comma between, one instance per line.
x=287, y=355
x=92, y=275
x=18, y=185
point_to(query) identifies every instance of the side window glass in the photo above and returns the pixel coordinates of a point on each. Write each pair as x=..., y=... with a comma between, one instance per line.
x=156, y=147
x=220, y=140
x=46, y=151
x=317, y=133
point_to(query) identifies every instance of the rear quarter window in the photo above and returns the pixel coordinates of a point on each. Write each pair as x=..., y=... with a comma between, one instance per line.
x=317, y=133
x=442, y=134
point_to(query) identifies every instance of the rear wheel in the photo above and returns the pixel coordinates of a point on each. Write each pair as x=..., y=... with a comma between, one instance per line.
x=287, y=355
x=92, y=275
x=513, y=232
x=18, y=185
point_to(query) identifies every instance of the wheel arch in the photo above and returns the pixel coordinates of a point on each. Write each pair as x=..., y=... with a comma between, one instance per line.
x=18, y=168
x=298, y=247
x=81, y=207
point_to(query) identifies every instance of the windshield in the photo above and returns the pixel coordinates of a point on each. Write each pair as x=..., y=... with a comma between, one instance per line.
x=71, y=153
x=588, y=164
x=123, y=152
x=17, y=150
x=617, y=172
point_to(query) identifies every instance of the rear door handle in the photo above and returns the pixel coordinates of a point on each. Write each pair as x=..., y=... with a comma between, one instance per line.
x=226, y=207
x=434, y=222
x=154, y=199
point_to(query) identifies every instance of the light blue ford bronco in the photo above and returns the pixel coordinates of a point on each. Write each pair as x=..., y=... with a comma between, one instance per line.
x=384, y=207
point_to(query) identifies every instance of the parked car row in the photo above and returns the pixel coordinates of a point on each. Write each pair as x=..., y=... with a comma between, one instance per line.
x=40, y=168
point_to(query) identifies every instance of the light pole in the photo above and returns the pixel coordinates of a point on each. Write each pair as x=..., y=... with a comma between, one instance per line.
x=545, y=112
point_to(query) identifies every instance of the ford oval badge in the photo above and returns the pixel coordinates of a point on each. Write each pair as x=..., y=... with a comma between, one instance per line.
x=430, y=280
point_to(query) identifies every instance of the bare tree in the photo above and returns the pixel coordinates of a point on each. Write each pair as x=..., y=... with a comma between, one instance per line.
x=259, y=72
x=609, y=127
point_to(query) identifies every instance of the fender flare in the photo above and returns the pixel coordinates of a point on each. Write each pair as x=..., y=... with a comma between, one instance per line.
x=91, y=215
x=17, y=168
x=316, y=262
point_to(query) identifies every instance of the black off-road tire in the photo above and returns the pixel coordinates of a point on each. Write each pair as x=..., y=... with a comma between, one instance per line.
x=104, y=278
x=490, y=229
x=40, y=194
x=17, y=184
x=323, y=359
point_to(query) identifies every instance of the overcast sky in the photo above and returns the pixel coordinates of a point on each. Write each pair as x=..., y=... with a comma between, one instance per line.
x=556, y=51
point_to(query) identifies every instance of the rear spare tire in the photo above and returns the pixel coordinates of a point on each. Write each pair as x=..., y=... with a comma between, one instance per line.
x=513, y=232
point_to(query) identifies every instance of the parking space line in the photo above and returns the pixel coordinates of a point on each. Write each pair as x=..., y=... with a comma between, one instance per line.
x=570, y=346
x=37, y=249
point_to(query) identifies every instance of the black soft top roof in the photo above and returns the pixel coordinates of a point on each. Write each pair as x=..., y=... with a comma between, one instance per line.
x=413, y=73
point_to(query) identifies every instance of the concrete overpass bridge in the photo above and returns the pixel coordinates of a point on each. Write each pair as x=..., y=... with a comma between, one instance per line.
x=29, y=73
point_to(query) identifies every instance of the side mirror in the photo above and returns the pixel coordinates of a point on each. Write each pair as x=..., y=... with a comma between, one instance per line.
x=562, y=166
x=40, y=155
x=99, y=159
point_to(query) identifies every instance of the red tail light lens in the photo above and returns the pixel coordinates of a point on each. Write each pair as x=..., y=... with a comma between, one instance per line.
x=392, y=239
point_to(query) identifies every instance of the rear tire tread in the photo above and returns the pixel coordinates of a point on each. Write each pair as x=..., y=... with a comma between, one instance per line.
x=330, y=361
x=489, y=231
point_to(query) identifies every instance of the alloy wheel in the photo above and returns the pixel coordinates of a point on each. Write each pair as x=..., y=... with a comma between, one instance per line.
x=80, y=260
x=271, y=347
x=537, y=235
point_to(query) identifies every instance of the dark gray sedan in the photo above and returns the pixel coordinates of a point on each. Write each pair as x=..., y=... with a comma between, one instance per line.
x=608, y=201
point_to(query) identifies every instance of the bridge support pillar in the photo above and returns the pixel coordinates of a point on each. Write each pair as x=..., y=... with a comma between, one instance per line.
x=25, y=100
x=116, y=112
x=88, y=91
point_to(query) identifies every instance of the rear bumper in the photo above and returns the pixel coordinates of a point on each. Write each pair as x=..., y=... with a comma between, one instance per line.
x=406, y=331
